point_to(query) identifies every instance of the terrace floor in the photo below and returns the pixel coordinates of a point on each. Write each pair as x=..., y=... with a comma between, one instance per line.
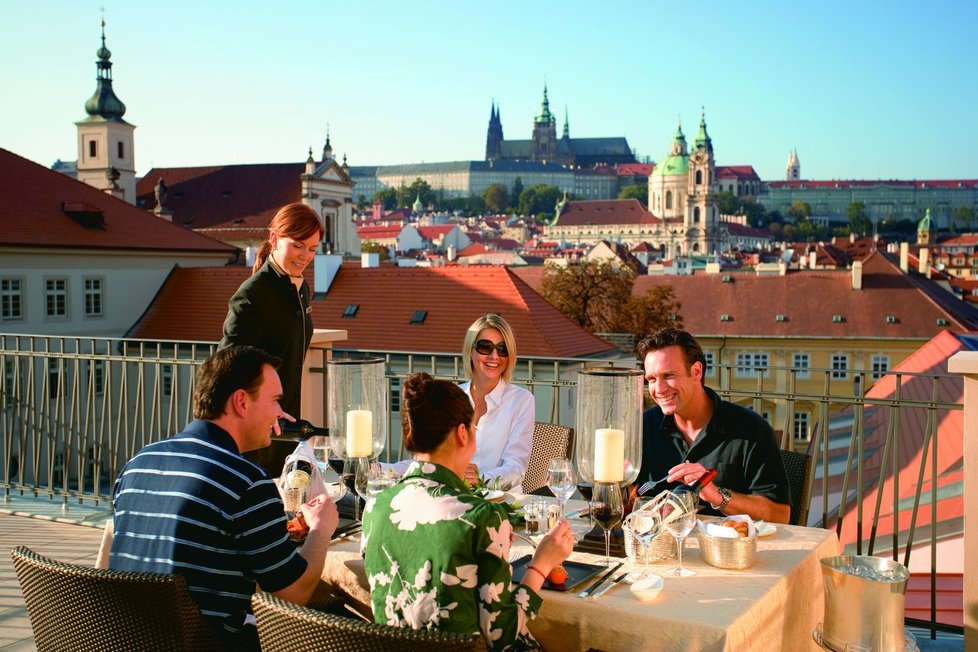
x=73, y=534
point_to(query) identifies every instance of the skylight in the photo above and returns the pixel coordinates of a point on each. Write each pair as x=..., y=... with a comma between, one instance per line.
x=419, y=316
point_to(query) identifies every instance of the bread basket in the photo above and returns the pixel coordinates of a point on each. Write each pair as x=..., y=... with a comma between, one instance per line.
x=731, y=553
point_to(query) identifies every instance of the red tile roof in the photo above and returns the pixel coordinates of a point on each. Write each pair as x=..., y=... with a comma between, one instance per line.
x=745, y=172
x=192, y=305
x=209, y=196
x=32, y=215
x=636, y=169
x=809, y=300
x=605, y=211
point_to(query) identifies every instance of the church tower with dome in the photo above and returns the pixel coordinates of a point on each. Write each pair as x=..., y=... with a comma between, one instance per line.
x=106, y=159
x=683, y=194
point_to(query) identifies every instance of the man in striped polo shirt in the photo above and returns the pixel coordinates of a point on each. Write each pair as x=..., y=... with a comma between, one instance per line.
x=192, y=505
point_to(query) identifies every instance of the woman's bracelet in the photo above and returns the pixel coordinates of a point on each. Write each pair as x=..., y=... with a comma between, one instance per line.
x=536, y=570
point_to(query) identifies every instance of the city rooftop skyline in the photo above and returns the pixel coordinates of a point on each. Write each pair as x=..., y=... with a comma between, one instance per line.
x=869, y=90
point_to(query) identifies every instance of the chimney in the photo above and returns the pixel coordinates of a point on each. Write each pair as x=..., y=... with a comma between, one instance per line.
x=325, y=268
x=852, y=238
x=904, y=257
x=857, y=275
x=924, y=267
x=369, y=259
x=811, y=260
x=452, y=253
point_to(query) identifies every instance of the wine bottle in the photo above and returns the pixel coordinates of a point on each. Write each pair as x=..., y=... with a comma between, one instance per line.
x=302, y=429
x=697, y=485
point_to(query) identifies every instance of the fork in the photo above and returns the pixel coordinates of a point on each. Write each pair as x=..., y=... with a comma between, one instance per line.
x=651, y=483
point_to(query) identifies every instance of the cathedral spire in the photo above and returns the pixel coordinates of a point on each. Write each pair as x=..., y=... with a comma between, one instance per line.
x=327, y=148
x=545, y=115
x=566, y=123
x=703, y=141
x=104, y=104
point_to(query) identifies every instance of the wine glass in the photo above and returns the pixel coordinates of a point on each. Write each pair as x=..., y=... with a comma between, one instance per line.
x=378, y=479
x=561, y=481
x=679, y=518
x=644, y=524
x=606, y=510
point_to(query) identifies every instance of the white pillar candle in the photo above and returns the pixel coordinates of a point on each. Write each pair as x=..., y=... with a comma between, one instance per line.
x=609, y=455
x=359, y=433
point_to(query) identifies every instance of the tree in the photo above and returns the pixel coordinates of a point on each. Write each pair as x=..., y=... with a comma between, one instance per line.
x=597, y=295
x=541, y=198
x=361, y=202
x=859, y=222
x=640, y=193
x=369, y=246
x=419, y=189
x=517, y=189
x=964, y=218
x=799, y=210
x=496, y=197
x=388, y=197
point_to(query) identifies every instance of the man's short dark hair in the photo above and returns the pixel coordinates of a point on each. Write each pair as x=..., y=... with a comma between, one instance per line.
x=224, y=373
x=666, y=337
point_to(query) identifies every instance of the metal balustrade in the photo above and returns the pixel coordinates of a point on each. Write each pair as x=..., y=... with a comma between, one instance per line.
x=73, y=410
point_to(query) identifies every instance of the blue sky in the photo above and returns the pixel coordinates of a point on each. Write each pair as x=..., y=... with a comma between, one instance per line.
x=861, y=89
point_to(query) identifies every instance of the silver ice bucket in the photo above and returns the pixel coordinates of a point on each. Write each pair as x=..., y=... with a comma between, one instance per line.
x=864, y=604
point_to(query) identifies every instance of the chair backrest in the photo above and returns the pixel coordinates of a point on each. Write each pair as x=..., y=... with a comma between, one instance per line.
x=550, y=440
x=286, y=627
x=800, y=468
x=75, y=607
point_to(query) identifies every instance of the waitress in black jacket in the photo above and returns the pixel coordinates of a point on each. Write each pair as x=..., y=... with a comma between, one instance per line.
x=271, y=310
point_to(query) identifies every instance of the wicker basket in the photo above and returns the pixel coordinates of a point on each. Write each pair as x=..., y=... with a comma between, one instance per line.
x=663, y=546
x=734, y=554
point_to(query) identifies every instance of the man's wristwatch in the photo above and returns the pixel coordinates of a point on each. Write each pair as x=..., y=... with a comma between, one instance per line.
x=726, y=496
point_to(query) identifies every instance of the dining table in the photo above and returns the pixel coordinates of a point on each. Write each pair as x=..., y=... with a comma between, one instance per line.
x=775, y=604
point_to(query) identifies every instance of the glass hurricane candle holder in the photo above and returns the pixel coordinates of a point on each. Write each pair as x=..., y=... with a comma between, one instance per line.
x=608, y=436
x=357, y=411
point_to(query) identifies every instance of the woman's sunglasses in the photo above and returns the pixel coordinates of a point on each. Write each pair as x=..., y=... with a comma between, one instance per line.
x=485, y=347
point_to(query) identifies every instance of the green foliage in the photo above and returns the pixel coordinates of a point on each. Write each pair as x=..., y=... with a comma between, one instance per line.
x=597, y=295
x=541, y=198
x=388, y=196
x=730, y=204
x=371, y=247
x=964, y=218
x=799, y=210
x=361, y=202
x=496, y=198
x=517, y=190
x=859, y=222
x=471, y=205
x=418, y=189
x=635, y=191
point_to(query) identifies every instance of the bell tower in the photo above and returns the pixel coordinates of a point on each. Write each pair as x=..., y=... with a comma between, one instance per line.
x=106, y=159
x=702, y=217
x=544, y=143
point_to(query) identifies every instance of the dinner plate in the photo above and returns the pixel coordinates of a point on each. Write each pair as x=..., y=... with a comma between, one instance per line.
x=577, y=572
x=765, y=530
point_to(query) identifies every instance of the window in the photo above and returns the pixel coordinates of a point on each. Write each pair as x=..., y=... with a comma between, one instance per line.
x=11, y=299
x=801, y=425
x=395, y=394
x=96, y=376
x=121, y=150
x=801, y=364
x=668, y=199
x=699, y=177
x=710, y=370
x=696, y=215
x=166, y=379
x=748, y=364
x=93, y=297
x=881, y=365
x=840, y=364
x=351, y=310
x=92, y=149
x=419, y=316
x=56, y=297
x=54, y=376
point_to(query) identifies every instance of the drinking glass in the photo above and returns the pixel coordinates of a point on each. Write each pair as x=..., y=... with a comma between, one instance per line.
x=606, y=510
x=378, y=479
x=561, y=481
x=644, y=525
x=679, y=518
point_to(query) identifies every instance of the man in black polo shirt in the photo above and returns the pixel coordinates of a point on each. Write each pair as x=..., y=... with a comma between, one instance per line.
x=690, y=429
x=192, y=505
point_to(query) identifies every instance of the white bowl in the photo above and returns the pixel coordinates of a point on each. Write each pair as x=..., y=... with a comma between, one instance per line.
x=647, y=588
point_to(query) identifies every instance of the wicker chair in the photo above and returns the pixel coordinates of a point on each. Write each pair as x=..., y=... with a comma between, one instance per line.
x=550, y=440
x=286, y=627
x=800, y=468
x=75, y=607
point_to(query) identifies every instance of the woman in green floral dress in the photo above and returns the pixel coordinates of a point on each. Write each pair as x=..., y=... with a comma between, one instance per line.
x=437, y=555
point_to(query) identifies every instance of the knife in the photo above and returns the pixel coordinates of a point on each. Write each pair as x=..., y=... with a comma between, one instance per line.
x=610, y=586
x=589, y=590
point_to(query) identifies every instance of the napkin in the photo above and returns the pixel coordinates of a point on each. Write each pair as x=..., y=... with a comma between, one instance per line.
x=316, y=484
x=723, y=532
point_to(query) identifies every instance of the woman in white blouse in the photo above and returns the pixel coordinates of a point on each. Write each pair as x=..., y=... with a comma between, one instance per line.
x=504, y=413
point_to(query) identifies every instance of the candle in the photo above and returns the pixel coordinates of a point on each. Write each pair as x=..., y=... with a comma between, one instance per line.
x=359, y=433
x=609, y=455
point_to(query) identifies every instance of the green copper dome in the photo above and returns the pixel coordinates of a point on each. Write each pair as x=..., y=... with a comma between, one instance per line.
x=103, y=104
x=545, y=115
x=924, y=224
x=702, y=138
x=677, y=163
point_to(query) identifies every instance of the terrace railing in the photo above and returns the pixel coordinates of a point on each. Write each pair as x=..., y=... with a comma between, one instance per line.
x=73, y=410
